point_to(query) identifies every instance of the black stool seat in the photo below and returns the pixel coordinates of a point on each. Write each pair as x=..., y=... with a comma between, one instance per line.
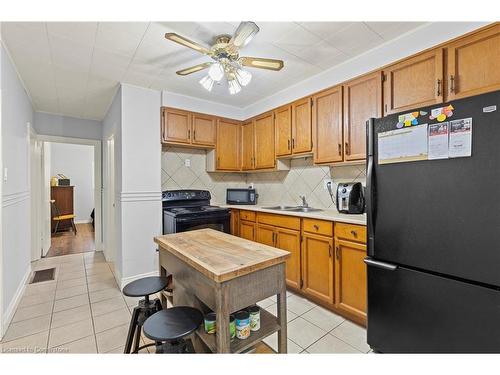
x=145, y=286
x=172, y=324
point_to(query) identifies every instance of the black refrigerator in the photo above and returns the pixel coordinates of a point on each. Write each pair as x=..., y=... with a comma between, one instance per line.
x=433, y=264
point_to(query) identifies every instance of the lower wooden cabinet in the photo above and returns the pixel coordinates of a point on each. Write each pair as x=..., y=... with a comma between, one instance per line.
x=350, y=277
x=317, y=267
x=247, y=230
x=235, y=222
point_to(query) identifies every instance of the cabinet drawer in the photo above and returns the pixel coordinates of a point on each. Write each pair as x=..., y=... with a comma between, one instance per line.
x=318, y=226
x=350, y=232
x=283, y=221
x=247, y=215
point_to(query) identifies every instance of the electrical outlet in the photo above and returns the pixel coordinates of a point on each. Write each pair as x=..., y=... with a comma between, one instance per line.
x=187, y=162
x=327, y=181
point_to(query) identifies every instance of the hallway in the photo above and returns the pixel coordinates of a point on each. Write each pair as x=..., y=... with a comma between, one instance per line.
x=65, y=243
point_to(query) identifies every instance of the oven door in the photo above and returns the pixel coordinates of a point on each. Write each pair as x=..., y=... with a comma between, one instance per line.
x=219, y=222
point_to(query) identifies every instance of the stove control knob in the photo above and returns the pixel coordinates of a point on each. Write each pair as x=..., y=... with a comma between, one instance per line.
x=205, y=194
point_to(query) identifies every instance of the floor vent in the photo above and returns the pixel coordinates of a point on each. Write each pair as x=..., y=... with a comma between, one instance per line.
x=43, y=275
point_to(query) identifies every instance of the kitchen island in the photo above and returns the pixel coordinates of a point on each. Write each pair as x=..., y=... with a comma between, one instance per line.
x=216, y=271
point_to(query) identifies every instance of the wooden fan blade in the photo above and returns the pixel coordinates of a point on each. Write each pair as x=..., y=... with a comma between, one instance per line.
x=193, y=69
x=262, y=63
x=244, y=34
x=187, y=43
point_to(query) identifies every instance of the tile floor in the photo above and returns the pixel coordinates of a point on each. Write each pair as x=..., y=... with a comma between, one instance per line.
x=83, y=311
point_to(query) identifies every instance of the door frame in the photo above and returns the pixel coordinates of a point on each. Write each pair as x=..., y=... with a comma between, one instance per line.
x=97, y=179
x=37, y=235
x=109, y=203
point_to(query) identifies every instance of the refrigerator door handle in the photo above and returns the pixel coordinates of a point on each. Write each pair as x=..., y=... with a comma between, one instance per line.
x=378, y=264
x=370, y=196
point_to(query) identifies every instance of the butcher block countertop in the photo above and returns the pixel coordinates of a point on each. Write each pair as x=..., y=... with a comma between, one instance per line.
x=220, y=256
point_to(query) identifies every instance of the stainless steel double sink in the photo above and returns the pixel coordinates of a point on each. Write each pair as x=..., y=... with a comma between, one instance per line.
x=293, y=208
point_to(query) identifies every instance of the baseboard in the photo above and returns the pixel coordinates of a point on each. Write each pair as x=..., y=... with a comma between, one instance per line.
x=11, y=309
x=124, y=281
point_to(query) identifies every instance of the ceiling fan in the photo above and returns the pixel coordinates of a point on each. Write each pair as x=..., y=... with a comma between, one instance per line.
x=226, y=59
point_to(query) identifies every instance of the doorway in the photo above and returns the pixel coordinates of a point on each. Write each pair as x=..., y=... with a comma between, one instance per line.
x=67, y=196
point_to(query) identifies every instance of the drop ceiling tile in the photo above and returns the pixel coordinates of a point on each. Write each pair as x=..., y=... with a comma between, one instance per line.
x=120, y=37
x=45, y=104
x=355, y=39
x=66, y=77
x=138, y=79
x=325, y=29
x=66, y=52
x=390, y=30
x=296, y=40
x=323, y=54
x=271, y=31
x=24, y=43
x=100, y=86
x=207, y=31
x=80, y=32
x=109, y=65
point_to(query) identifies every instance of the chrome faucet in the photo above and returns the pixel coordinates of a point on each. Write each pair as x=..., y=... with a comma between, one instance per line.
x=304, y=203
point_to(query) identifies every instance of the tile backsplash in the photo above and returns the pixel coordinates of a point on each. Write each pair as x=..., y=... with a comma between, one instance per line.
x=282, y=187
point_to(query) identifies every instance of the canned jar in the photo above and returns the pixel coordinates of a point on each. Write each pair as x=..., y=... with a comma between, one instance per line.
x=242, y=319
x=210, y=326
x=254, y=312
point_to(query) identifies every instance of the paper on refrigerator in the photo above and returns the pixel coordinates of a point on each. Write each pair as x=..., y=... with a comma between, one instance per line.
x=460, y=138
x=403, y=145
x=438, y=141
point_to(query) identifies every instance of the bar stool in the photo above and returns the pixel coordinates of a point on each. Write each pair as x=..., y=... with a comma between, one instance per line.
x=145, y=308
x=168, y=328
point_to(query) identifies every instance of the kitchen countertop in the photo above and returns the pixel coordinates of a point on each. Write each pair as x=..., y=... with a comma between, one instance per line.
x=325, y=214
x=218, y=255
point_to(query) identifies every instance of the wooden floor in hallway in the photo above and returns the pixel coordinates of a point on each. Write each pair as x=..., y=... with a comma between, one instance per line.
x=65, y=243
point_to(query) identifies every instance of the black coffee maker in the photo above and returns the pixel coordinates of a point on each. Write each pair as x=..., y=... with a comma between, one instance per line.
x=350, y=198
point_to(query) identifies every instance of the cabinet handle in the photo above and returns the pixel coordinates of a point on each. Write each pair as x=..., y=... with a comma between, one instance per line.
x=347, y=152
x=354, y=233
x=330, y=251
x=194, y=134
x=288, y=144
x=293, y=143
x=337, y=252
x=218, y=162
x=452, y=83
x=340, y=149
x=438, y=93
x=189, y=134
x=316, y=227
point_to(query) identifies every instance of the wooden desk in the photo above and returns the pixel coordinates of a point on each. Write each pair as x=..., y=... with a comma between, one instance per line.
x=214, y=270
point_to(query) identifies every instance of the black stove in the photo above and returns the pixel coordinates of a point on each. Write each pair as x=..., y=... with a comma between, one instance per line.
x=185, y=210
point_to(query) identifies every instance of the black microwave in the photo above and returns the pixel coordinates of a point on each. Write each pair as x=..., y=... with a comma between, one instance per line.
x=241, y=196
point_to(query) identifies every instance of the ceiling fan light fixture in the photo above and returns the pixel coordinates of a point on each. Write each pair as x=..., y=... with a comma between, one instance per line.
x=234, y=86
x=216, y=72
x=244, y=77
x=207, y=83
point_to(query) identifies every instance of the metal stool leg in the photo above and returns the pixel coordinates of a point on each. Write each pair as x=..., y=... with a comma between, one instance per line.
x=158, y=305
x=131, y=330
x=137, y=342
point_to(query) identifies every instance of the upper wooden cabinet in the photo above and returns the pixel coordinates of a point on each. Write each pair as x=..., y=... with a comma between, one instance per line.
x=414, y=82
x=203, y=128
x=362, y=100
x=247, y=146
x=187, y=128
x=283, y=129
x=327, y=125
x=264, y=141
x=302, y=126
x=473, y=64
x=228, y=145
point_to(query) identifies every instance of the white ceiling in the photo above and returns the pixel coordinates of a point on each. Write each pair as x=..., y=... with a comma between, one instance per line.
x=73, y=68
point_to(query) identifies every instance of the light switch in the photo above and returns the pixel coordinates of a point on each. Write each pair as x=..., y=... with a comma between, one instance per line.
x=187, y=162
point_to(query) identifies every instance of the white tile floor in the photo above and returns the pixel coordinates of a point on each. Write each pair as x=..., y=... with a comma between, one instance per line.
x=83, y=311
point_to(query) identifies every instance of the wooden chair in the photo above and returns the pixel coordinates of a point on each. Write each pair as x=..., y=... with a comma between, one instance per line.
x=57, y=217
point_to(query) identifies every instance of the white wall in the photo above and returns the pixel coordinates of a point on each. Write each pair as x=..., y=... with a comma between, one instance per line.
x=64, y=126
x=17, y=112
x=77, y=163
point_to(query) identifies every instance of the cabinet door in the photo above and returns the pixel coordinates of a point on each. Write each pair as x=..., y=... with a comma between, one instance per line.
x=235, y=222
x=264, y=141
x=317, y=267
x=414, y=82
x=265, y=234
x=362, y=100
x=203, y=130
x=301, y=126
x=176, y=126
x=289, y=240
x=327, y=125
x=350, y=280
x=473, y=64
x=228, y=145
x=247, y=230
x=283, y=128
x=247, y=146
